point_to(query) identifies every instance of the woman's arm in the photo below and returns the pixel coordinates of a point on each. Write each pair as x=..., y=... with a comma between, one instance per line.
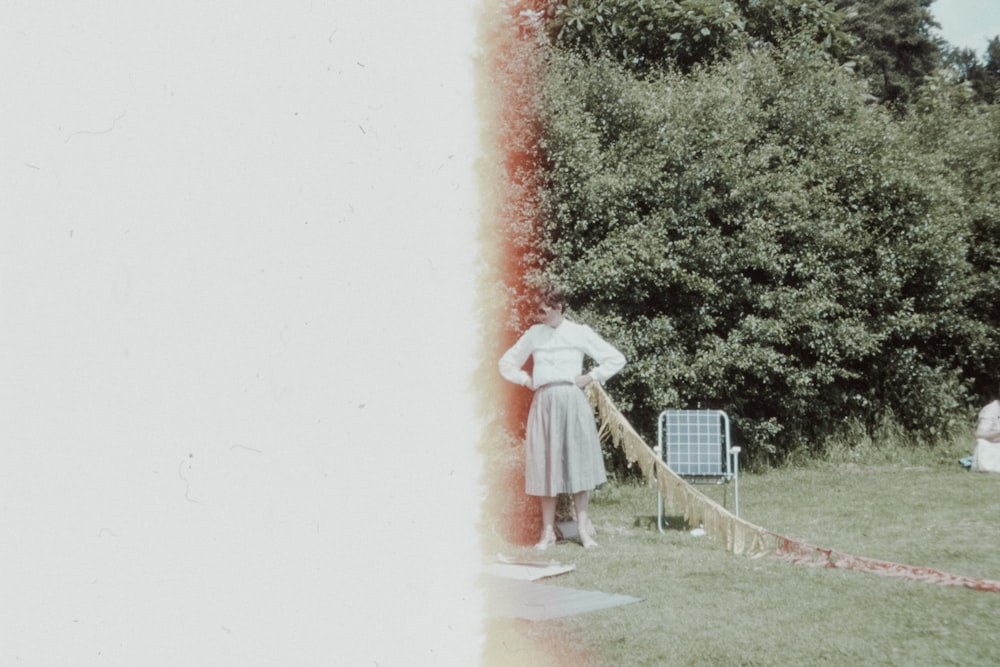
x=514, y=358
x=987, y=422
x=609, y=359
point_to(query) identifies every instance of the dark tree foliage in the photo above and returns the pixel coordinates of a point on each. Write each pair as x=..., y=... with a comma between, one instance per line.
x=982, y=75
x=895, y=45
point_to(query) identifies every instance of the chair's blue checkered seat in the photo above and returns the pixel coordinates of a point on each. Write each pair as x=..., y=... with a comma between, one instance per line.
x=692, y=442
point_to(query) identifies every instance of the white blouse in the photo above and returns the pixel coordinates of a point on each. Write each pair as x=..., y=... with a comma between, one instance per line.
x=558, y=355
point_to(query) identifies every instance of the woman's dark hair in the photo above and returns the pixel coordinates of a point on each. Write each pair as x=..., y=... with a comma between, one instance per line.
x=552, y=296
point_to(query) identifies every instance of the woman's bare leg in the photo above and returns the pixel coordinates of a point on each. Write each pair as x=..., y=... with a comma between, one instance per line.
x=582, y=500
x=548, y=538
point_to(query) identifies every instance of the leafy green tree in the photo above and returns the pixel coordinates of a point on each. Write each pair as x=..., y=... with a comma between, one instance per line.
x=756, y=238
x=962, y=139
x=989, y=89
x=983, y=75
x=896, y=48
x=646, y=34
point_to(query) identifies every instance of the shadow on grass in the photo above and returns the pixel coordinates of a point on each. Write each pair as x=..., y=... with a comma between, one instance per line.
x=669, y=523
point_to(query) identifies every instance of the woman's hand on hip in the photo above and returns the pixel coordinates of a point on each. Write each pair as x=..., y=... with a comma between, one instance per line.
x=583, y=380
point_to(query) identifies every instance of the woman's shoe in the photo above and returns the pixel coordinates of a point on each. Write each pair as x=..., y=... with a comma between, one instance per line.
x=587, y=541
x=548, y=539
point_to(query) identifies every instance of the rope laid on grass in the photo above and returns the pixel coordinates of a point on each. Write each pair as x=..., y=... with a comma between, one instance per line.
x=802, y=553
x=738, y=535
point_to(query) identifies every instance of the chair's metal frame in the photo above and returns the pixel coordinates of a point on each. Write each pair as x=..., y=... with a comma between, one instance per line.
x=716, y=461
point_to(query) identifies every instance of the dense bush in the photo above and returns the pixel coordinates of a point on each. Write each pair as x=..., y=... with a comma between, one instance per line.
x=645, y=34
x=961, y=138
x=756, y=238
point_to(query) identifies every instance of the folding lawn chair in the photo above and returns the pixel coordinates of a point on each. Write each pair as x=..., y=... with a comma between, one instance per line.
x=695, y=444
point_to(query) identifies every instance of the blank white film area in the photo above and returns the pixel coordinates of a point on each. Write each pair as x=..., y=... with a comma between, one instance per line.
x=236, y=309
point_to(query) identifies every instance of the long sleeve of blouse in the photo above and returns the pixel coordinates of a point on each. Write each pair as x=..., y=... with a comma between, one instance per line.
x=558, y=355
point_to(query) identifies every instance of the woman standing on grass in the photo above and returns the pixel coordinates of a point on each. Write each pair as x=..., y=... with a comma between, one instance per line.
x=562, y=450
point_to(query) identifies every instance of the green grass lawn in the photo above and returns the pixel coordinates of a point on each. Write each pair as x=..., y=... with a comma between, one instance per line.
x=703, y=606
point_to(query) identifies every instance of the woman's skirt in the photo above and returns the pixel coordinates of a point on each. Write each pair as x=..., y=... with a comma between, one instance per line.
x=986, y=456
x=562, y=452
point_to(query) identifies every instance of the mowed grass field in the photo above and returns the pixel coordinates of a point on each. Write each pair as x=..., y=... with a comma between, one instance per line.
x=703, y=606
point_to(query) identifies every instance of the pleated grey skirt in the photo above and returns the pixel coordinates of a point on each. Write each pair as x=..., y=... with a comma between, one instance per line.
x=562, y=452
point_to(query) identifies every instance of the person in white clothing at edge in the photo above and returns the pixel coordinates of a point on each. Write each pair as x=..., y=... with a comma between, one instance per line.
x=562, y=449
x=986, y=456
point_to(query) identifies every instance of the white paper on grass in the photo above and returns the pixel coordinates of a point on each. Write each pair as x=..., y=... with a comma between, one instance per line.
x=526, y=570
